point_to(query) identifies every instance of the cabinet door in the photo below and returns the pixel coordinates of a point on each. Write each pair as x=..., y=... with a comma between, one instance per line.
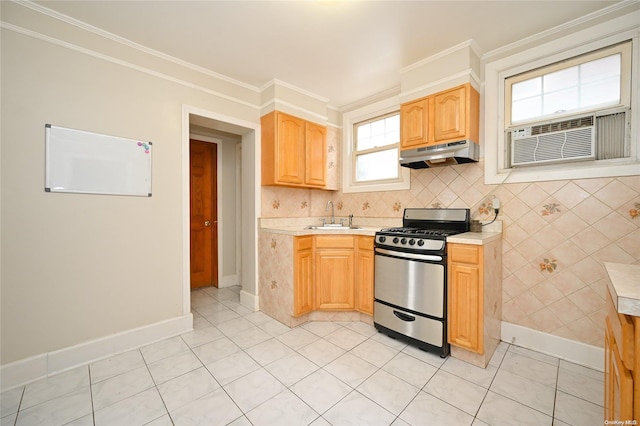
x=364, y=275
x=414, y=124
x=303, y=276
x=450, y=115
x=334, y=279
x=290, y=149
x=316, y=155
x=466, y=309
x=618, y=381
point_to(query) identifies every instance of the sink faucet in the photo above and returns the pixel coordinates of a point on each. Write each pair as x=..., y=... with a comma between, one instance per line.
x=333, y=217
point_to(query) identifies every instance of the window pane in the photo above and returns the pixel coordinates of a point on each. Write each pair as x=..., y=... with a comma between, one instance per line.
x=601, y=68
x=560, y=80
x=601, y=92
x=560, y=101
x=589, y=84
x=526, y=89
x=526, y=108
x=379, y=133
x=377, y=165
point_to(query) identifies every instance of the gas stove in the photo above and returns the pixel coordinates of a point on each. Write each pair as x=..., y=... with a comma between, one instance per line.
x=411, y=277
x=424, y=230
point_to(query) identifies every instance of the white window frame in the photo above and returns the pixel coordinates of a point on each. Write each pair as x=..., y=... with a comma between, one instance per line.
x=349, y=119
x=582, y=42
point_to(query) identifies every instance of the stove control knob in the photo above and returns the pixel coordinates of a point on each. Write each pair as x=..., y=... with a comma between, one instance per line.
x=403, y=241
x=382, y=239
x=420, y=243
x=412, y=241
x=395, y=240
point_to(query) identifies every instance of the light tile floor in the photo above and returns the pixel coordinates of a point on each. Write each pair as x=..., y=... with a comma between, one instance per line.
x=243, y=368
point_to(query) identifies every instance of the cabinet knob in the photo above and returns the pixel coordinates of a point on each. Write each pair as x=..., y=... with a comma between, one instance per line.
x=207, y=223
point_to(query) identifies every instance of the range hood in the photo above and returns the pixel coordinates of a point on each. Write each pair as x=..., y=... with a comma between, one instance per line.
x=446, y=154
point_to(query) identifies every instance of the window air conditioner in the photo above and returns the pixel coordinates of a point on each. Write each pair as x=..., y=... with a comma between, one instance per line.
x=571, y=139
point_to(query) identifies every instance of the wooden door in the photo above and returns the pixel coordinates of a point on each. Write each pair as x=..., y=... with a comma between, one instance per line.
x=290, y=153
x=450, y=115
x=204, y=213
x=414, y=124
x=316, y=155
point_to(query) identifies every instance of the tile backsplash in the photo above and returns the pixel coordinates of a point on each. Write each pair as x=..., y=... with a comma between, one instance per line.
x=557, y=236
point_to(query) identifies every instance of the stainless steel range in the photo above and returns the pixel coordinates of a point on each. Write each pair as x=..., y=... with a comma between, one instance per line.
x=411, y=276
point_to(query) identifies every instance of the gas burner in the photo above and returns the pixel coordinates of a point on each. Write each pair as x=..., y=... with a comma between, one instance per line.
x=424, y=230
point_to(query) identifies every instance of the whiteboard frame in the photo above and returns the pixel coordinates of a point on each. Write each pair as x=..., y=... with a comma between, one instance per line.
x=67, y=144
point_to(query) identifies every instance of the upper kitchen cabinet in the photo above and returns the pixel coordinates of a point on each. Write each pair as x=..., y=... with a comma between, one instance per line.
x=414, y=123
x=448, y=116
x=294, y=152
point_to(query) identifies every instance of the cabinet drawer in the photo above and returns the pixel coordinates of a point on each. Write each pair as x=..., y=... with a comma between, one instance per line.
x=334, y=241
x=464, y=253
x=622, y=329
x=365, y=243
x=303, y=243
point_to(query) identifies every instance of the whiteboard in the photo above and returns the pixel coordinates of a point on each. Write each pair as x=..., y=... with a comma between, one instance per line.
x=85, y=162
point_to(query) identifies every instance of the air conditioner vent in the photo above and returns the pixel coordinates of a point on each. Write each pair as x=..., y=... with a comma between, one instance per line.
x=573, y=123
x=568, y=140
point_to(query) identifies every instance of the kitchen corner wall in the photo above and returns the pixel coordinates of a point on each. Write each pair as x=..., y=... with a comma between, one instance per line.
x=557, y=235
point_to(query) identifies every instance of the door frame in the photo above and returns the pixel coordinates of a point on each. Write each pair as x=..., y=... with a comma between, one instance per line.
x=250, y=165
x=219, y=213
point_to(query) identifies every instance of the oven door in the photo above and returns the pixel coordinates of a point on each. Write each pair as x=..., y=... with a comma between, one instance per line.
x=411, y=281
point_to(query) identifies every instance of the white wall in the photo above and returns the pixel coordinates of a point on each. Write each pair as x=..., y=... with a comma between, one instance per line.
x=79, y=267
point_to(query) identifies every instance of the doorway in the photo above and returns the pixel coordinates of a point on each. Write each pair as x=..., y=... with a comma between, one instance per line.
x=203, y=184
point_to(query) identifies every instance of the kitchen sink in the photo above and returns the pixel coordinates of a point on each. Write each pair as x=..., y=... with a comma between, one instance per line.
x=332, y=227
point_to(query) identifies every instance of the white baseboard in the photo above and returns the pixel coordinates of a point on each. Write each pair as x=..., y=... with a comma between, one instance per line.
x=229, y=281
x=27, y=370
x=570, y=350
x=251, y=301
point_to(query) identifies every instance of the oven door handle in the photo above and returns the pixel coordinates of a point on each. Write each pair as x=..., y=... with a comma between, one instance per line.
x=415, y=256
x=403, y=316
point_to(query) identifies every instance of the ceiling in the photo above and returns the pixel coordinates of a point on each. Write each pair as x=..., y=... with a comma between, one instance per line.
x=342, y=50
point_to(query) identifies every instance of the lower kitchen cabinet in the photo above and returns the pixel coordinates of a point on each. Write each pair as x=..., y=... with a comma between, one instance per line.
x=474, y=300
x=334, y=272
x=303, y=275
x=465, y=296
x=622, y=366
x=364, y=275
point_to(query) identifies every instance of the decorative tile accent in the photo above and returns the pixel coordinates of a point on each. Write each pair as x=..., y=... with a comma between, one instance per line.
x=635, y=211
x=304, y=205
x=275, y=204
x=550, y=209
x=548, y=265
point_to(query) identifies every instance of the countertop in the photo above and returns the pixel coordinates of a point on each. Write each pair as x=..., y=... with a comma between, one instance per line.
x=298, y=231
x=475, y=238
x=296, y=227
x=624, y=287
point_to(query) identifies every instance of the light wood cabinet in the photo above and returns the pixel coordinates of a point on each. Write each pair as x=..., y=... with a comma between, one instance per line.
x=414, y=124
x=315, y=155
x=447, y=116
x=465, y=296
x=294, y=151
x=364, y=275
x=622, y=366
x=303, y=275
x=334, y=272
x=474, y=302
